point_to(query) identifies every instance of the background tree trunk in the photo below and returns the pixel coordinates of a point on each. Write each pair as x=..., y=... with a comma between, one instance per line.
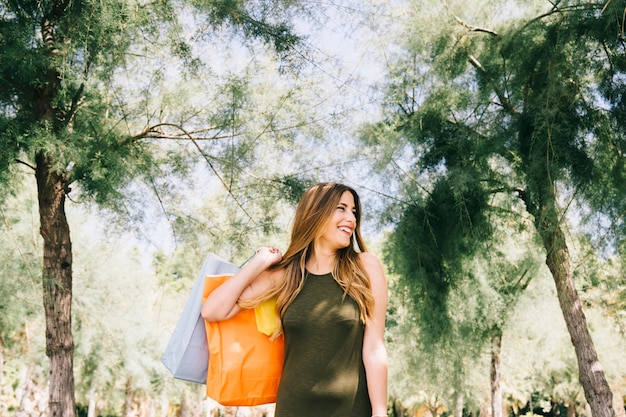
x=91, y=409
x=128, y=402
x=459, y=404
x=57, y=287
x=496, y=386
x=590, y=372
x=1, y=365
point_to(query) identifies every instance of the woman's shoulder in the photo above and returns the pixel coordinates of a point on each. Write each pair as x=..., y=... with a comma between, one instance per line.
x=369, y=260
x=372, y=265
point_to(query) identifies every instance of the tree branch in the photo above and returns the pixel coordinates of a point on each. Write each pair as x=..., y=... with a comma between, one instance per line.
x=189, y=136
x=155, y=132
x=522, y=286
x=530, y=208
x=74, y=105
x=79, y=93
x=471, y=28
x=504, y=101
x=19, y=161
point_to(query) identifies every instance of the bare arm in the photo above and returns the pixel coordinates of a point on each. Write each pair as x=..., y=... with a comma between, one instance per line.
x=374, y=351
x=251, y=281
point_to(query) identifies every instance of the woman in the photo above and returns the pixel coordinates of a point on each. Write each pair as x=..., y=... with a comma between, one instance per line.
x=331, y=298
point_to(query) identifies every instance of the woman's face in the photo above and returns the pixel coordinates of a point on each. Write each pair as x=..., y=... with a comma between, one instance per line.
x=338, y=230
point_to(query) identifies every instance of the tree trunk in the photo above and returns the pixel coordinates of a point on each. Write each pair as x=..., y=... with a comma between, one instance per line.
x=91, y=409
x=128, y=401
x=397, y=409
x=26, y=389
x=57, y=287
x=458, y=406
x=571, y=408
x=1, y=367
x=496, y=386
x=590, y=372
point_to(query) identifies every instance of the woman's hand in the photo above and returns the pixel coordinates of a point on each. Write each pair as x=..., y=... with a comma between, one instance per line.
x=268, y=255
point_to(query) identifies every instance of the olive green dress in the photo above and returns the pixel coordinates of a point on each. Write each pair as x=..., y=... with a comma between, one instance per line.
x=323, y=374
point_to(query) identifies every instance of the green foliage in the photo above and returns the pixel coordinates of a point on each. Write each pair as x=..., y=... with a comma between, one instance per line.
x=260, y=22
x=51, y=104
x=89, y=44
x=293, y=188
x=568, y=131
x=432, y=240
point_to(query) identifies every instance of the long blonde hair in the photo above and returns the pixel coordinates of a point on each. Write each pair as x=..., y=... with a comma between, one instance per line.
x=312, y=215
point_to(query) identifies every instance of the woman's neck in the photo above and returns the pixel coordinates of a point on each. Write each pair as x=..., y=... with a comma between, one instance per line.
x=321, y=262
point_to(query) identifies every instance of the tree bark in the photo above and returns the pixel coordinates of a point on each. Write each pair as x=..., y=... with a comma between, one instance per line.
x=496, y=386
x=57, y=287
x=590, y=372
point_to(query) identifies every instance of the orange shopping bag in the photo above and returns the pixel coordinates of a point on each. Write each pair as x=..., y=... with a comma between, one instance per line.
x=244, y=365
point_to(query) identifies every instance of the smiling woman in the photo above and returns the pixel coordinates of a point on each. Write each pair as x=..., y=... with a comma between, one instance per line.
x=331, y=298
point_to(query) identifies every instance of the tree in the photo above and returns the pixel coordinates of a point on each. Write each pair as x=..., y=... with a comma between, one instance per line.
x=60, y=120
x=531, y=111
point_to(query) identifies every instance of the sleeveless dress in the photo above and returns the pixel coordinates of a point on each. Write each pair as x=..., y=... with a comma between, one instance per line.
x=323, y=373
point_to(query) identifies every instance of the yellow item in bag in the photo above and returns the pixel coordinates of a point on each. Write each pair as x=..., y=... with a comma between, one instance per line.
x=265, y=314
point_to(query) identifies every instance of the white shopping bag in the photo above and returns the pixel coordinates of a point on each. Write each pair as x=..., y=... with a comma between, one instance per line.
x=187, y=353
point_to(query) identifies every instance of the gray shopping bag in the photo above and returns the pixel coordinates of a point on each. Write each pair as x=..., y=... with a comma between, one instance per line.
x=187, y=353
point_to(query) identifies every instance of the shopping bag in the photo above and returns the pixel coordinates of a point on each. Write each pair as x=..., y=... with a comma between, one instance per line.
x=187, y=353
x=245, y=366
